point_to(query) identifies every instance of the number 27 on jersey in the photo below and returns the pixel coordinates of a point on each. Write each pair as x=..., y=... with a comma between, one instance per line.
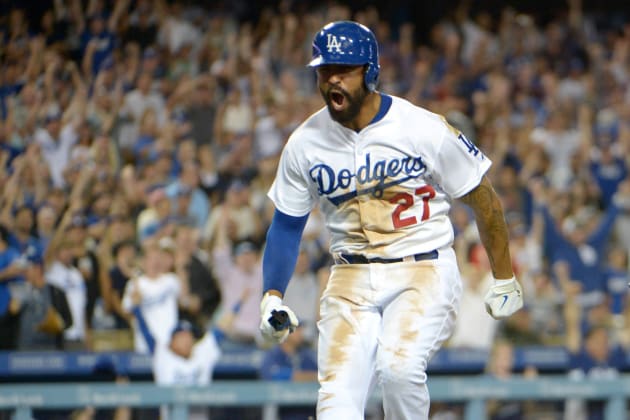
x=405, y=200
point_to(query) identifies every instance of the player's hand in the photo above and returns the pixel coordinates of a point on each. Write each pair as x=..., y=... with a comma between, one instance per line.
x=277, y=320
x=504, y=298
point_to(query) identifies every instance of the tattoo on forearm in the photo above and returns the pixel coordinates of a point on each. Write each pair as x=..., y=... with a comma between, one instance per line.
x=491, y=225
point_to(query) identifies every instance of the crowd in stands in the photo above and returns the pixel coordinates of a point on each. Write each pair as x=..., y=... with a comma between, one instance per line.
x=138, y=140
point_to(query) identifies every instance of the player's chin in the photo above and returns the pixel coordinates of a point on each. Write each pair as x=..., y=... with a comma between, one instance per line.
x=342, y=115
x=338, y=115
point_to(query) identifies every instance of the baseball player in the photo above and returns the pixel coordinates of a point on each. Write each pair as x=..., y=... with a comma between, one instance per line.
x=384, y=173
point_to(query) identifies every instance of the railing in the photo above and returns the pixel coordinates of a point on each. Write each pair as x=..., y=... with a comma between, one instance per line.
x=48, y=364
x=472, y=391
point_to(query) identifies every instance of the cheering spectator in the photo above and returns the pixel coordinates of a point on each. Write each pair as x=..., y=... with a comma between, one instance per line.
x=124, y=122
x=43, y=311
x=153, y=219
x=135, y=103
x=12, y=269
x=61, y=273
x=122, y=270
x=99, y=39
x=56, y=141
x=237, y=212
x=188, y=183
x=160, y=291
x=238, y=269
x=186, y=358
x=192, y=264
x=592, y=354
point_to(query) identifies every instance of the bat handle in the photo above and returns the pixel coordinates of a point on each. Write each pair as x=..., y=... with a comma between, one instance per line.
x=279, y=320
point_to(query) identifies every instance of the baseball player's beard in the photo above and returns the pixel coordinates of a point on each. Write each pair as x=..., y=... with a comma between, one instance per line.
x=353, y=103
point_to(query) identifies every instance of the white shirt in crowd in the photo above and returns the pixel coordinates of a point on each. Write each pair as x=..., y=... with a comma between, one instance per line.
x=70, y=280
x=158, y=306
x=56, y=152
x=472, y=312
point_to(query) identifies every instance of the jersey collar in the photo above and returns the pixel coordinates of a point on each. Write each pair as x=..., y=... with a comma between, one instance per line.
x=386, y=103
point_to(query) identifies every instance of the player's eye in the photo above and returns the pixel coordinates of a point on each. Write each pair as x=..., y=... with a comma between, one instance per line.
x=337, y=69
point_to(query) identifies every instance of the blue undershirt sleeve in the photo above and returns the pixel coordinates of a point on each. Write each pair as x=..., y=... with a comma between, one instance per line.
x=281, y=250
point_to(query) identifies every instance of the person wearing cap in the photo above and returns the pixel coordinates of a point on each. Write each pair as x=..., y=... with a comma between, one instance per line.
x=581, y=242
x=99, y=40
x=185, y=357
x=152, y=64
x=43, y=311
x=238, y=269
x=187, y=184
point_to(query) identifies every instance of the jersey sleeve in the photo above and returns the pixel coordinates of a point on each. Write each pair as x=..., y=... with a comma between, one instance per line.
x=207, y=354
x=459, y=165
x=289, y=191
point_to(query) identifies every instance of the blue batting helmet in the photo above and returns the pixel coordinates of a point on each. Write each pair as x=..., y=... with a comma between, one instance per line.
x=347, y=43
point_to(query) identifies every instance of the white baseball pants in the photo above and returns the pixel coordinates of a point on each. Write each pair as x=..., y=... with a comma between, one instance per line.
x=384, y=322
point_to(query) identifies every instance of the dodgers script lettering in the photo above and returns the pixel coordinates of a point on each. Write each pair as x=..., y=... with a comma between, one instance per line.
x=372, y=174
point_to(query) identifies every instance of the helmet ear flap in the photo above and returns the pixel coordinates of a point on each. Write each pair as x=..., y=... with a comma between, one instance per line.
x=370, y=77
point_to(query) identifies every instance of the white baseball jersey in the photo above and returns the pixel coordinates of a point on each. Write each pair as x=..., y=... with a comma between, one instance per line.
x=386, y=190
x=158, y=306
x=171, y=369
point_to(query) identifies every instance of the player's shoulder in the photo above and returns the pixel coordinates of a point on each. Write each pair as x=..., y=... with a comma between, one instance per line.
x=309, y=132
x=312, y=127
x=416, y=114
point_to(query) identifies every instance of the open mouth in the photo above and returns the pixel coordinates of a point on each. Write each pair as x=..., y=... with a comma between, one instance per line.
x=337, y=100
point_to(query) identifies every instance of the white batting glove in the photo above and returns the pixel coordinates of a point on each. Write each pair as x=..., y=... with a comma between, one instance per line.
x=504, y=298
x=277, y=321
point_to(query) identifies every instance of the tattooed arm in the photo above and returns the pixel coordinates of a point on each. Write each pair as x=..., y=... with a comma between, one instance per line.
x=492, y=227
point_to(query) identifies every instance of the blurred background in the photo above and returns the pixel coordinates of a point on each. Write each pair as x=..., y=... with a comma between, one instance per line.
x=138, y=140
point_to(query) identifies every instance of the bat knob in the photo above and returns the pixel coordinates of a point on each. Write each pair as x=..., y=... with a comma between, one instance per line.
x=279, y=320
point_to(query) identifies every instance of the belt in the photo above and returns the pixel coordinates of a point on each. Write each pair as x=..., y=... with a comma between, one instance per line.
x=361, y=259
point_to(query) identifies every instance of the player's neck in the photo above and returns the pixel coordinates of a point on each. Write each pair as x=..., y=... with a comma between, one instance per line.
x=369, y=109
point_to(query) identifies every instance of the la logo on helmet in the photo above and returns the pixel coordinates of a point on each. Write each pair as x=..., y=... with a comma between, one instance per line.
x=333, y=44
